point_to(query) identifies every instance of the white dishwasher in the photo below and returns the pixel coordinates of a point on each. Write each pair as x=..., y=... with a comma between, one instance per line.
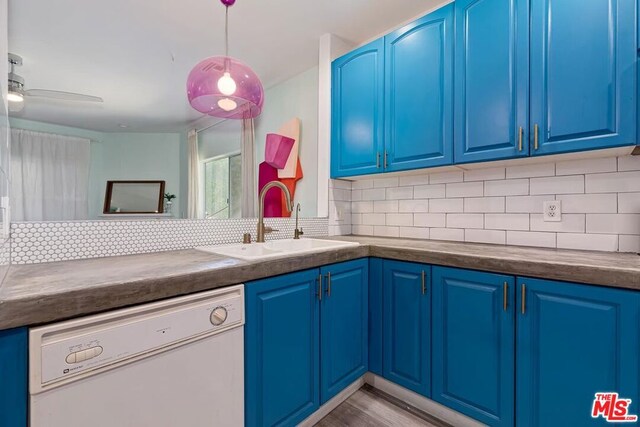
x=178, y=362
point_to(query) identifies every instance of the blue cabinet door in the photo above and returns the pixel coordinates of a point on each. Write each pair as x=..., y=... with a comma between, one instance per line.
x=375, y=315
x=407, y=325
x=583, y=74
x=344, y=326
x=491, y=79
x=572, y=342
x=357, y=111
x=14, y=395
x=419, y=93
x=473, y=344
x=281, y=349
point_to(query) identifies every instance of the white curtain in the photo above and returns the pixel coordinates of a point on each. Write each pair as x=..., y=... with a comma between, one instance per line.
x=50, y=175
x=248, y=156
x=193, y=167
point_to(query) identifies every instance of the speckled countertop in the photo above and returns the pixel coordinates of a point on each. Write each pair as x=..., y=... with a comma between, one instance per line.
x=42, y=293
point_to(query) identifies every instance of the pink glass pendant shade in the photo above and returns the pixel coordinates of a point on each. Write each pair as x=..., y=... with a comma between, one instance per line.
x=236, y=95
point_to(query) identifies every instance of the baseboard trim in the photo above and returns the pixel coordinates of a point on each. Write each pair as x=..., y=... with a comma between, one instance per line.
x=420, y=402
x=333, y=403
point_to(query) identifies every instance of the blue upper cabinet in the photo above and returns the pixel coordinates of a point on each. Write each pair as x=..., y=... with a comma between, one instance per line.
x=491, y=79
x=583, y=75
x=282, y=349
x=572, y=342
x=419, y=93
x=357, y=111
x=407, y=325
x=344, y=326
x=473, y=344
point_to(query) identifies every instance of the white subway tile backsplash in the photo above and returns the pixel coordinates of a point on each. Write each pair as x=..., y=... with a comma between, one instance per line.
x=571, y=223
x=400, y=219
x=600, y=205
x=629, y=202
x=629, y=243
x=527, y=204
x=404, y=181
x=484, y=174
x=361, y=207
x=618, y=182
x=531, y=171
x=613, y=223
x=429, y=191
x=374, y=194
x=465, y=220
x=589, y=203
x=340, y=183
x=385, y=182
x=385, y=231
x=584, y=166
x=430, y=220
x=446, y=205
x=628, y=163
x=385, y=206
x=362, y=184
x=484, y=204
x=507, y=221
x=362, y=230
x=508, y=187
x=374, y=219
x=413, y=205
x=340, y=194
x=446, y=177
x=558, y=185
x=396, y=193
x=531, y=238
x=414, y=232
x=497, y=237
x=587, y=242
x=454, y=234
x=465, y=189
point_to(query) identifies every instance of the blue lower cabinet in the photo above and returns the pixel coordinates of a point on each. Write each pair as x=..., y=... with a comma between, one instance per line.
x=473, y=344
x=375, y=315
x=407, y=325
x=344, y=321
x=282, y=343
x=574, y=341
x=14, y=354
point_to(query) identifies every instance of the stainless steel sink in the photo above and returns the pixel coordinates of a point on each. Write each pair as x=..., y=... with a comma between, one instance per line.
x=276, y=248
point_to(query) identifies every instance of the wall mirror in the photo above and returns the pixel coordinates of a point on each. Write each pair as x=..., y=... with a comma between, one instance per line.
x=134, y=197
x=131, y=120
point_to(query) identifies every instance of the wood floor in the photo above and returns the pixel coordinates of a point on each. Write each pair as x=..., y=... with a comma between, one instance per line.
x=369, y=407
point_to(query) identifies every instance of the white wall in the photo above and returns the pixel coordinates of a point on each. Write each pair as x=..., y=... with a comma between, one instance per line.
x=4, y=143
x=296, y=97
x=503, y=205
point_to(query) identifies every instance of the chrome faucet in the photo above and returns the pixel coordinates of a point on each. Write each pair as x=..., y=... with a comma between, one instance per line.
x=262, y=230
x=298, y=231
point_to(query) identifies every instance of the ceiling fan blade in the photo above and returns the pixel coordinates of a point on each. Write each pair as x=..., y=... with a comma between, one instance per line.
x=65, y=96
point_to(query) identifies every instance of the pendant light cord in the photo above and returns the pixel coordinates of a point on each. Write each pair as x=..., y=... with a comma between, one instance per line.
x=226, y=31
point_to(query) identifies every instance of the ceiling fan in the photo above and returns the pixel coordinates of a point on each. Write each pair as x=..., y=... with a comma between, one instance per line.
x=17, y=92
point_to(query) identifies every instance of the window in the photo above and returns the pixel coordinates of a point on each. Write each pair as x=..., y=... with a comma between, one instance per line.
x=222, y=187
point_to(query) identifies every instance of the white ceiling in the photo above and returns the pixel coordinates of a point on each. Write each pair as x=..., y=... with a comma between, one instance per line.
x=136, y=54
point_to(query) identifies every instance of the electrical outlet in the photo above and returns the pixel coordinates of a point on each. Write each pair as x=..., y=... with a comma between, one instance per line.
x=552, y=211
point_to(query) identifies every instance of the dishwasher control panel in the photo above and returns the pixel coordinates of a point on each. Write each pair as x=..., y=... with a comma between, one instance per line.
x=69, y=349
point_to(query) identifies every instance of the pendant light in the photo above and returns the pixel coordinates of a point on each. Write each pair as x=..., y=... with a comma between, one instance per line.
x=224, y=87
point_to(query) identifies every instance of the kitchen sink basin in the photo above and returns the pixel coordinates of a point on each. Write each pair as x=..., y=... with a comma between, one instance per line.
x=276, y=248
